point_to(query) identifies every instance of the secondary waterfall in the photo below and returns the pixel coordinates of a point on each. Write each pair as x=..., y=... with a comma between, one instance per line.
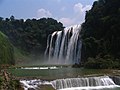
x=90, y=83
x=84, y=83
x=64, y=47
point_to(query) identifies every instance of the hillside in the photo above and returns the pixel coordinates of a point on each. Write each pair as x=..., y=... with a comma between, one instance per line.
x=6, y=50
x=101, y=34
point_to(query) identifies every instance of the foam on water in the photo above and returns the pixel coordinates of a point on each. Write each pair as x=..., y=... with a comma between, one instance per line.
x=33, y=83
x=54, y=67
x=91, y=88
x=90, y=83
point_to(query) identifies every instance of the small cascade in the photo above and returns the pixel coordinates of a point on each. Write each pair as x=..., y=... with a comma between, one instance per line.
x=88, y=83
x=33, y=84
x=64, y=47
x=83, y=83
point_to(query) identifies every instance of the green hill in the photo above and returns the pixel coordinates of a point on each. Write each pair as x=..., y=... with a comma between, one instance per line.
x=101, y=34
x=6, y=50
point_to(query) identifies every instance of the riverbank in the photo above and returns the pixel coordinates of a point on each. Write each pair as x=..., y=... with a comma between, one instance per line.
x=8, y=82
x=51, y=73
x=55, y=72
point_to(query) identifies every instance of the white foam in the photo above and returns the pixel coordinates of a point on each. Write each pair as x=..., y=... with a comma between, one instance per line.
x=62, y=84
x=42, y=68
x=33, y=83
x=83, y=83
x=53, y=67
x=91, y=88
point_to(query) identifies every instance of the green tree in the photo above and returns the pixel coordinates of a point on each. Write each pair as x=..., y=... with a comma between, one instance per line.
x=102, y=24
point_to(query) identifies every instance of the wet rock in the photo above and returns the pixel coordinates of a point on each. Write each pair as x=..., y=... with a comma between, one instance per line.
x=31, y=89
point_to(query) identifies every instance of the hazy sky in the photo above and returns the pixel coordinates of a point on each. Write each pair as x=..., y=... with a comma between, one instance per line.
x=69, y=12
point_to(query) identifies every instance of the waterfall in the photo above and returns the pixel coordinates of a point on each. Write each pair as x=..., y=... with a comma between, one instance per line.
x=64, y=47
x=84, y=83
x=87, y=83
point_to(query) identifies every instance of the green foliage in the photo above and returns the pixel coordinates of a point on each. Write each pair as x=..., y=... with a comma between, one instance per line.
x=107, y=62
x=30, y=35
x=101, y=32
x=14, y=85
x=90, y=63
x=6, y=50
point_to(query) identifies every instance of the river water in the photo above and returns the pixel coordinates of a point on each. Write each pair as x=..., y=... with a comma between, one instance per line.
x=66, y=78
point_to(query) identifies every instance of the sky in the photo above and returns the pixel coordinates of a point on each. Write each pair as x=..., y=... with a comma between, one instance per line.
x=69, y=12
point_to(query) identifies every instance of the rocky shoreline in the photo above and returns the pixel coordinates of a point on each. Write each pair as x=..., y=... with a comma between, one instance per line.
x=8, y=82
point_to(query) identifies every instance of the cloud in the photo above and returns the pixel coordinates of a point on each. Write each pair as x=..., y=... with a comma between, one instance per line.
x=79, y=8
x=63, y=8
x=80, y=11
x=43, y=13
x=78, y=17
x=67, y=21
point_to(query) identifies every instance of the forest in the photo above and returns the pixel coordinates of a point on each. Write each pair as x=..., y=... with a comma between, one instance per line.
x=101, y=35
x=29, y=36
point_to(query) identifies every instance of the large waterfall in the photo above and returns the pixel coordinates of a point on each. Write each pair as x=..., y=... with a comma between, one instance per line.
x=64, y=47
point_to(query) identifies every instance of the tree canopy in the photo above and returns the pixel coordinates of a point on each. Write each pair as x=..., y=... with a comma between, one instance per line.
x=31, y=34
x=100, y=31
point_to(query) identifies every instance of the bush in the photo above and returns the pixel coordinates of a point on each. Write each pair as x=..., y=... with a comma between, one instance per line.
x=91, y=63
x=101, y=63
x=14, y=84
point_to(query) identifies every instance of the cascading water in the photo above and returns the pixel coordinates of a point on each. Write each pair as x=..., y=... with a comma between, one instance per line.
x=64, y=47
x=89, y=83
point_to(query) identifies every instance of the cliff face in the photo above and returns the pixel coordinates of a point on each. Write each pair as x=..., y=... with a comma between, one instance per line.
x=6, y=50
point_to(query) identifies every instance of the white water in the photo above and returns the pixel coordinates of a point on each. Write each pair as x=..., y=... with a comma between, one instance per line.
x=83, y=83
x=54, y=67
x=33, y=84
x=90, y=83
x=64, y=47
x=91, y=88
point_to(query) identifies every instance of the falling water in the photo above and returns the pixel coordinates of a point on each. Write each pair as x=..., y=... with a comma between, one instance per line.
x=64, y=47
x=84, y=83
x=90, y=83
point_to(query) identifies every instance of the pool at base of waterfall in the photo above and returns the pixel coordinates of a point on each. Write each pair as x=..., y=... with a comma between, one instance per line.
x=85, y=83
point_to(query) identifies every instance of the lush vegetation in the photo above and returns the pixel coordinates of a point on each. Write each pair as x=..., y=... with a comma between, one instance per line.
x=101, y=35
x=29, y=35
x=6, y=50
